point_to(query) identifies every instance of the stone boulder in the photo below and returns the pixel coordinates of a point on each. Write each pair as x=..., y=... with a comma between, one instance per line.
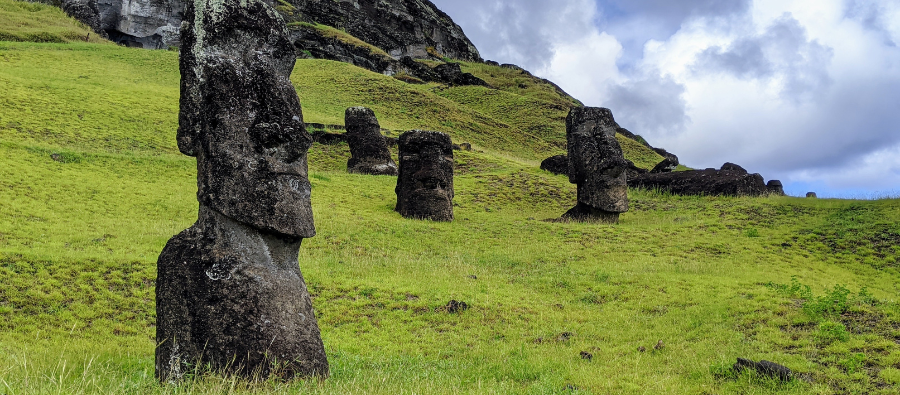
x=451, y=74
x=775, y=188
x=812, y=195
x=666, y=166
x=596, y=165
x=425, y=184
x=368, y=148
x=229, y=292
x=672, y=158
x=558, y=165
x=728, y=166
x=765, y=368
x=703, y=182
x=86, y=11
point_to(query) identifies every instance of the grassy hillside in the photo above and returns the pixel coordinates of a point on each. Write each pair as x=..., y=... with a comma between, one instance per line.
x=92, y=187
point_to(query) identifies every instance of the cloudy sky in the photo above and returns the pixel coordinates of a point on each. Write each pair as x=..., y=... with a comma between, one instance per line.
x=806, y=91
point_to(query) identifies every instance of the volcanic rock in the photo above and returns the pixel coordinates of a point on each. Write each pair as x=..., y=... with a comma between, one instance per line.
x=728, y=166
x=812, y=195
x=666, y=166
x=229, y=292
x=775, y=188
x=425, y=184
x=765, y=368
x=86, y=11
x=558, y=165
x=596, y=165
x=368, y=148
x=703, y=182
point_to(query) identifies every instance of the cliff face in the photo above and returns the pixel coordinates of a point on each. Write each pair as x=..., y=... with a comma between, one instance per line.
x=414, y=28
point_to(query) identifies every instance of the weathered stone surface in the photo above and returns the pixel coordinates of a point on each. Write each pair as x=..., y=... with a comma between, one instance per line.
x=229, y=291
x=666, y=166
x=558, y=165
x=232, y=296
x=451, y=74
x=703, y=182
x=765, y=368
x=633, y=171
x=368, y=148
x=775, y=188
x=596, y=165
x=85, y=11
x=728, y=166
x=425, y=184
x=150, y=24
x=668, y=155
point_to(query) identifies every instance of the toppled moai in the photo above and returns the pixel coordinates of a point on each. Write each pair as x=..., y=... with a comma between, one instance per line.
x=229, y=292
x=369, y=153
x=596, y=165
x=425, y=185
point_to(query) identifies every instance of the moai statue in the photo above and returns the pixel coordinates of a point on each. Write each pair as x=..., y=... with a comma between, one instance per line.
x=369, y=152
x=775, y=187
x=425, y=185
x=596, y=165
x=229, y=291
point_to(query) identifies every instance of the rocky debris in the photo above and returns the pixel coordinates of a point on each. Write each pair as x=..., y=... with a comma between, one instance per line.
x=150, y=24
x=565, y=336
x=451, y=74
x=634, y=171
x=229, y=292
x=765, y=368
x=775, y=188
x=728, y=166
x=642, y=349
x=703, y=182
x=558, y=165
x=368, y=148
x=325, y=138
x=310, y=42
x=665, y=154
x=391, y=141
x=812, y=195
x=596, y=165
x=659, y=345
x=586, y=355
x=425, y=183
x=455, y=306
x=666, y=166
x=462, y=147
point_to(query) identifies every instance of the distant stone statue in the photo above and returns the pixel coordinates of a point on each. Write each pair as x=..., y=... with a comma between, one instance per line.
x=229, y=292
x=368, y=148
x=775, y=187
x=425, y=185
x=812, y=195
x=597, y=165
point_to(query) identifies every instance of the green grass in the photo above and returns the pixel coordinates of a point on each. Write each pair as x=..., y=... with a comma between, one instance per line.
x=92, y=187
x=35, y=22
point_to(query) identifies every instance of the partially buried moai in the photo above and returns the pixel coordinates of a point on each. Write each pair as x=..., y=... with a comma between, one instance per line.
x=368, y=149
x=425, y=184
x=229, y=292
x=596, y=165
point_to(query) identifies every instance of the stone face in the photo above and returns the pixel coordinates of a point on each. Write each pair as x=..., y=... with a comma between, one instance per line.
x=596, y=164
x=229, y=290
x=703, y=182
x=775, y=188
x=425, y=184
x=368, y=148
x=558, y=164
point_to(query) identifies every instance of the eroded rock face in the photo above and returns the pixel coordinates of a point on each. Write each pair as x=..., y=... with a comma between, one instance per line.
x=229, y=291
x=150, y=24
x=558, y=164
x=596, y=164
x=85, y=11
x=425, y=184
x=368, y=148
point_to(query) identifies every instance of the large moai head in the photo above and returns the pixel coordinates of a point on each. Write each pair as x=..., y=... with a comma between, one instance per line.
x=425, y=184
x=241, y=118
x=596, y=162
x=368, y=149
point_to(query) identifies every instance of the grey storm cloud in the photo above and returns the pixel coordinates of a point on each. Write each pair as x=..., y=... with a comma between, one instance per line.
x=652, y=105
x=520, y=31
x=781, y=51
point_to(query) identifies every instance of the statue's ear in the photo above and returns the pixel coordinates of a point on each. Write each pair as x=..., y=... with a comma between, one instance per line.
x=187, y=140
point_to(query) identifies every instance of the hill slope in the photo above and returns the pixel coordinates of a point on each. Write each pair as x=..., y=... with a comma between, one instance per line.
x=92, y=186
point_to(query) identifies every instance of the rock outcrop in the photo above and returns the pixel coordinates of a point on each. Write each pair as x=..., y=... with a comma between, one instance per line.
x=596, y=165
x=151, y=24
x=415, y=28
x=368, y=148
x=703, y=182
x=558, y=165
x=425, y=184
x=229, y=292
